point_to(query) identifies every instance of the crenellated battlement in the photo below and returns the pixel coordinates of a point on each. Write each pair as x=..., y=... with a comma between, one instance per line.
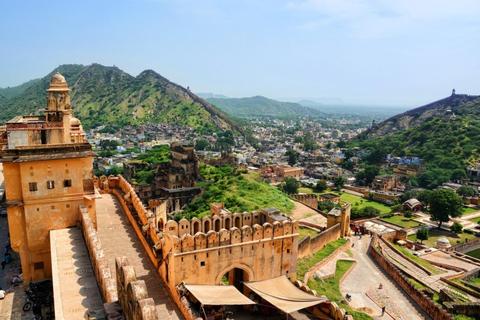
x=183, y=241
x=310, y=200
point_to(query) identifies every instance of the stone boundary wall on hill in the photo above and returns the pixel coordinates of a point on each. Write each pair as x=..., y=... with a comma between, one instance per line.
x=419, y=297
x=132, y=293
x=310, y=200
x=308, y=246
x=326, y=260
x=98, y=259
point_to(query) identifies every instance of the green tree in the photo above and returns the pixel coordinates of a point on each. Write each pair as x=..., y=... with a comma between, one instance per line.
x=466, y=191
x=202, y=145
x=456, y=227
x=408, y=214
x=292, y=156
x=308, y=142
x=339, y=182
x=424, y=197
x=410, y=194
x=321, y=186
x=291, y=186
x=109, y=144
x=458, y=174
x=422, y=234
x=443, y=205
x=298, y=139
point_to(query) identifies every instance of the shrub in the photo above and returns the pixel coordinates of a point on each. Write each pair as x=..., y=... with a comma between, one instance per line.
x=408, y=214
x=469, y=231
x=456, y=227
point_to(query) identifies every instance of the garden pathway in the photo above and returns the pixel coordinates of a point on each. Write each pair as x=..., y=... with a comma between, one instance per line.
x=365, y=279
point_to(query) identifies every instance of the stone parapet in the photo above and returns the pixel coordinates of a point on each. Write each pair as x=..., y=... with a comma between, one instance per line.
x=97, y=257
x=133, y=293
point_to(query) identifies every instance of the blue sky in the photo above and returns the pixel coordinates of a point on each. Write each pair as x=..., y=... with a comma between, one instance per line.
x=389, y=52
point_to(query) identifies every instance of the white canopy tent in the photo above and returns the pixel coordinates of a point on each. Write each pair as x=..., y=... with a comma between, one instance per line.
x=281, y=293
x=218, y=295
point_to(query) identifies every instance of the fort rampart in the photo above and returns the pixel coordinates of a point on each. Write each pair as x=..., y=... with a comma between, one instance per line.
x=310, y=200
x=308, y=245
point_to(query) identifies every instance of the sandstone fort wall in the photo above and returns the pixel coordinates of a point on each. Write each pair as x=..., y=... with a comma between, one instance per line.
x=309, y=246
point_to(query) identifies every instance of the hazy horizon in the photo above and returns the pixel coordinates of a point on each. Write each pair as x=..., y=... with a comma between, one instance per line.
x=362, y=52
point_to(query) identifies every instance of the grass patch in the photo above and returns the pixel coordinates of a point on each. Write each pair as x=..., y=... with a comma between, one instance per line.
x=467, y=210
x=475, y=281
x=305, y=190
x=476, y=220
x=306, y=232
x=435, y=234
x=239, y=191
x=424, y=263
x=463, y=317
x=330, y=288
x=307, y=262
x=353, y=200
x=401, y=221
x=361, y=202
x=475, y=253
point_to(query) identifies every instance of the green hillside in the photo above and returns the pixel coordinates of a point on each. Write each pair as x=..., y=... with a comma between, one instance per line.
x=417, y=116
x=447, y=144
x=108, y=96
x=239, y=191
x=259, y=106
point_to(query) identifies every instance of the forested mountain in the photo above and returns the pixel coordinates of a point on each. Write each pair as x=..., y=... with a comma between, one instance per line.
x=107, y=95
x=420, y=115
x=447, y=143
x=259, y=106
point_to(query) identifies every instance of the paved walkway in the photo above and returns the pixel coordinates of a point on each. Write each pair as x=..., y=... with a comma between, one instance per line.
x=118, y=239
x=445, y=258
x=74, y=285
x=366, y=277
x=328, y=270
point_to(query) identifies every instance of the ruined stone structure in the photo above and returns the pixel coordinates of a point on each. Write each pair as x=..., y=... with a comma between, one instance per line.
x=225, y=159
x=388, y=182
x=310, y=200
x=48, y=172
x=175, y=181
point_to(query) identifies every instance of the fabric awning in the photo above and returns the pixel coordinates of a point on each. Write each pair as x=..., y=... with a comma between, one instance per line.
x=283, y=294
x=218, y=295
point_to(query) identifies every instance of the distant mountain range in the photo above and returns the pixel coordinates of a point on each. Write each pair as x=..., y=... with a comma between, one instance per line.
x=108, y=96
x=259, y=106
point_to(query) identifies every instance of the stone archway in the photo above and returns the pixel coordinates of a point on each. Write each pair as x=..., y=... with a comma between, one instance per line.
x=236, y=274
x=160, y=224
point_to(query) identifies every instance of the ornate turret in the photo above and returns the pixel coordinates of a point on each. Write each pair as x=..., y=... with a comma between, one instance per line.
x=58, y=100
